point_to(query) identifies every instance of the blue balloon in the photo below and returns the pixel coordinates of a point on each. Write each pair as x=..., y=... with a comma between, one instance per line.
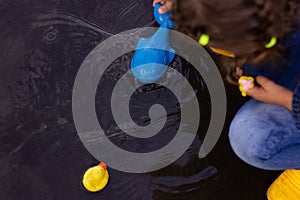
x=154, y=54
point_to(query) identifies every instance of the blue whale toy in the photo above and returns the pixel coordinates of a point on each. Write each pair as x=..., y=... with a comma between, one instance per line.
x=154, y=54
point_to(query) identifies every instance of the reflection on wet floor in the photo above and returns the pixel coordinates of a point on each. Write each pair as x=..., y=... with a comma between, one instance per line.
x=42, y=47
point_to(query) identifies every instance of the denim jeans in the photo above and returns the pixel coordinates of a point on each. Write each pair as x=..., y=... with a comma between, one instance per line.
x=265, y=136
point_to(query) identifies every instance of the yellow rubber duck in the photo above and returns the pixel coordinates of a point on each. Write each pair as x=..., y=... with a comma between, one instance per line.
x=286, y=186
x=96, y=178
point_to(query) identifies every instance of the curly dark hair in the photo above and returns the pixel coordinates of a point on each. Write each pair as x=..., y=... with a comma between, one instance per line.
x=243, y=27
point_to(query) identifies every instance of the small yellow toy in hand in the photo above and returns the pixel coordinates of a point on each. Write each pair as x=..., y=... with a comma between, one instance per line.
x=96, y=178
x=246, y=83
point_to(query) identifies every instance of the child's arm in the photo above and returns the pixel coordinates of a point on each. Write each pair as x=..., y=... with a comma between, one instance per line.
x=270, y=92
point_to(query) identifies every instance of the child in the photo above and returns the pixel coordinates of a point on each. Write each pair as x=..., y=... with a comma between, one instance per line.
x=262, y=37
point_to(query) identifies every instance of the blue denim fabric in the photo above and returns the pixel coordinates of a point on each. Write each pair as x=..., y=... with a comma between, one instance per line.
x=266, y=136
x=296, y=105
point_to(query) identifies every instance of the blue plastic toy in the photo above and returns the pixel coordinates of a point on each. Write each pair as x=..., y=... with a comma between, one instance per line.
x=154, y=54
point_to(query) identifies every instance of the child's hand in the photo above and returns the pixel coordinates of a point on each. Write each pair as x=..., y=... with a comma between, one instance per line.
x=270, y=92
x=167, y=4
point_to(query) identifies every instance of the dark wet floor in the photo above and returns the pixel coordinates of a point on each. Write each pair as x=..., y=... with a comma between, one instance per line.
x=43, y=44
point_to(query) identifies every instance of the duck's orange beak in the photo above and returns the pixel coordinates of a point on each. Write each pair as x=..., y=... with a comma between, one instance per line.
x=103, y=165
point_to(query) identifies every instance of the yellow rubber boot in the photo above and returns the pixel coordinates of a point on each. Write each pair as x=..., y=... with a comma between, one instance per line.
x=286, y=186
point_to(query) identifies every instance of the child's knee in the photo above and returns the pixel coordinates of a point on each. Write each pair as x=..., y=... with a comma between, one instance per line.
x=248, y=137
x=254, y=144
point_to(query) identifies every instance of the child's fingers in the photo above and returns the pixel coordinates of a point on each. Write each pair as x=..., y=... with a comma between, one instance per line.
x=158, y=1
x=263, y=81
x=254, y=92
x=154, y=2
x=163, y=9
x=258, y=93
